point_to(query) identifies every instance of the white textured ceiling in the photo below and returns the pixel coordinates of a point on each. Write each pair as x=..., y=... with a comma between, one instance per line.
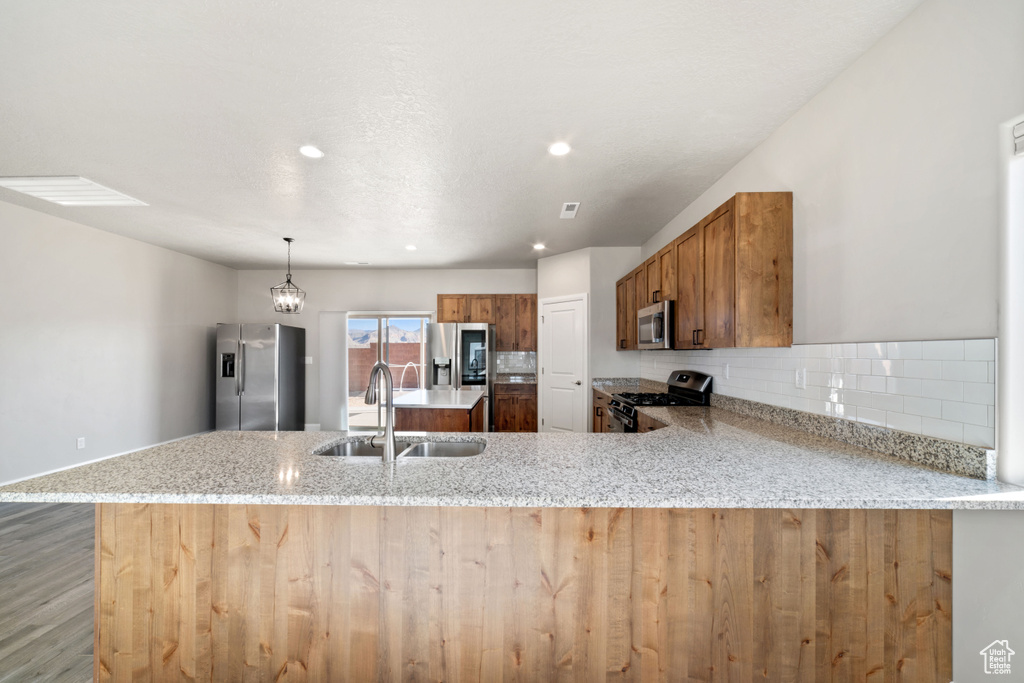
x=435, y=116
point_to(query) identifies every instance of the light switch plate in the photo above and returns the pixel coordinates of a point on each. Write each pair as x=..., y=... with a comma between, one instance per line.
x=81, y=442
x=308, y=360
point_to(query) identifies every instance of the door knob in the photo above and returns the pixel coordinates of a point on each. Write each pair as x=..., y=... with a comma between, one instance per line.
x=578, y=382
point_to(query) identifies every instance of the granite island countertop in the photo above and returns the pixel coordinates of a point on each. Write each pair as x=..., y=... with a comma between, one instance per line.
x=709, y=457
x=441, y=399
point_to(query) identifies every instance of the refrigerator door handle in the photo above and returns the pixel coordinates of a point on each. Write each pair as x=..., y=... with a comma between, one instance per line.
x=241, y=369
x=238, y=367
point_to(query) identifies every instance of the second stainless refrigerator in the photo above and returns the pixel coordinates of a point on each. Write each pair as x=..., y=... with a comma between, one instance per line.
x=461, y=356
x=261, y=378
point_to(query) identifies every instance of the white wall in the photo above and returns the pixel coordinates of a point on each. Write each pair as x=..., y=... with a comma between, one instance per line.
x=894, y=169
x=594, y=271
x=365, y=290
x=103, y=337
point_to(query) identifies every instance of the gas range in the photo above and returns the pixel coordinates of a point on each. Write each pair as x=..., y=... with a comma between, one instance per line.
x=685, y=388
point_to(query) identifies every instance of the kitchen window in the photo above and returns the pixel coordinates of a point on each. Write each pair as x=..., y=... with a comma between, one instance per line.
x=403, y=349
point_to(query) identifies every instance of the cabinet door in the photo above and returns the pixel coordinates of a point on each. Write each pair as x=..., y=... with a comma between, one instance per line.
x=505, y=322
x=481, y=308
x=652, y=271
x=689, y=288
x=647, y=424
x=719, y=282
x=631, y=311
x=451, y=308
x=640, y=278
x=526, y=414
x=621, y=319
x=504, y=413
x=667, y=271
x=526, y=322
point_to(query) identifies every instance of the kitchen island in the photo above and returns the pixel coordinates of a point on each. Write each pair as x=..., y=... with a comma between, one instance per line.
x=722, y=547
x=441, y=410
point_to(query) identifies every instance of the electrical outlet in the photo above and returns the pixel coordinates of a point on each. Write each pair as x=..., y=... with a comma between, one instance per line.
x=81, y=442
x=308, y=360
x=800, y=379
x=727, y=371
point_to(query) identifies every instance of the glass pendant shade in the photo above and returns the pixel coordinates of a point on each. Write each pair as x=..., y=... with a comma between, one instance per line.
x=287, y=297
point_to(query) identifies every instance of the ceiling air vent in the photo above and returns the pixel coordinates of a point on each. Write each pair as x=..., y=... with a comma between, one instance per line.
x=69, y=191
x=1018, y=138
x=569, y=209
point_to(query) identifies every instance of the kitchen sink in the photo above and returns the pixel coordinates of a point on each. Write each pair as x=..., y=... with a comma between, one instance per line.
x=363, y=448
x=444, y=449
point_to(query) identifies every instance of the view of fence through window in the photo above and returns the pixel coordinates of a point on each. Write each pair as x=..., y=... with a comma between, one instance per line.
x=403, y=349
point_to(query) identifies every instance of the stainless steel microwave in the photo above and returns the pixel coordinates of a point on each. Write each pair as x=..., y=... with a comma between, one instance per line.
x=654, y=326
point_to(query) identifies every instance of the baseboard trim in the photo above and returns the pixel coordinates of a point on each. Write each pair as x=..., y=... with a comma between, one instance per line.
x=105, y=457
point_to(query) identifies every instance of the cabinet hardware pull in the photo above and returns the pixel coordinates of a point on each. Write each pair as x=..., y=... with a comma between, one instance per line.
x=599, y=413
x=700, y=337
x=693, y=338
x=622, y=343
x=656, y=296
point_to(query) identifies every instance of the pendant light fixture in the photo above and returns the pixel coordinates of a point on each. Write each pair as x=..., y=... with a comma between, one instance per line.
x=287, y=297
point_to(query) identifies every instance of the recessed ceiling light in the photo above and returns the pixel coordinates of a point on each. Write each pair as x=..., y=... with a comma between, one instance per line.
x=538, y=246
x=357, y=263
x=69, y=191
x=410, y=247
x=560, y=149
x=310, y=151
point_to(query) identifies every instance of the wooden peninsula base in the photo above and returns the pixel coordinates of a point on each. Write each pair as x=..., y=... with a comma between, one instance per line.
x=304, y=593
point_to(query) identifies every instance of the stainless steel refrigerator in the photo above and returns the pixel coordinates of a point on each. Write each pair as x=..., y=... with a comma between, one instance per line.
x=461, y=356
x=261, y=377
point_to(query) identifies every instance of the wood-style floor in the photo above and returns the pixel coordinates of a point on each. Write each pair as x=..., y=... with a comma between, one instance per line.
x=46, y=592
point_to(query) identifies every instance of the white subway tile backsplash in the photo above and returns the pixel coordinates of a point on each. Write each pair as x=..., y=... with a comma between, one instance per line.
x=943, y=350
x=904, y=350
x=968, y=413
x=925, y=407
x=965, y=370
x=980, y=436
x=943, y=389
x=903, y=422
x=980, y=349
x=980, y=392
x=871, y=383
x=922, y=369
x=888, y=368
x=942, y=429
x=871, y=350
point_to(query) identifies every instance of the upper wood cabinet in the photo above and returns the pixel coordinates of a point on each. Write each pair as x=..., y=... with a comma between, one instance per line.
x=731, y=277
x=465, y=308
x=625, y=318
x=515, y=322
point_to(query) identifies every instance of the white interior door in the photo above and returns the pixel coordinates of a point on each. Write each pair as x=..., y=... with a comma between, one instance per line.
x=563, y=361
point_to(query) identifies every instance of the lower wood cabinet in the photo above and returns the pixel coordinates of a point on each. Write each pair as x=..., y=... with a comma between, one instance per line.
x=440, y=419
x=515, y=407
x=600, y=414
x=645, y=423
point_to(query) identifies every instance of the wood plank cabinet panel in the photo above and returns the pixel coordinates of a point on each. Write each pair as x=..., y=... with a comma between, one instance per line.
x=505, y=322
x=764, y=269
x=640, y=280
x=526, y=413
x=526, y=322
x=625, y=321
x=719, y=282
x=437, y=419
x=645, y=423
x=480, y=308
x=284, y=592
x=652, y=272
x=667, y=273
x=451, y=308
x=689, y=307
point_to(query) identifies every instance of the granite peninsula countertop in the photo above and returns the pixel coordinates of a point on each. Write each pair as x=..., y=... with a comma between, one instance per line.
x=709, y=457
x=441, y=399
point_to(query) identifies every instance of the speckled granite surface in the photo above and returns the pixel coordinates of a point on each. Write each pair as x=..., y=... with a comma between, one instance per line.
x=515, y=378
x=947, y=456
x=709, y=458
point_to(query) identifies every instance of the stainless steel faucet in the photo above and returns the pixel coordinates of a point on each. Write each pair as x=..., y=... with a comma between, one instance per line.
x=379, y=367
